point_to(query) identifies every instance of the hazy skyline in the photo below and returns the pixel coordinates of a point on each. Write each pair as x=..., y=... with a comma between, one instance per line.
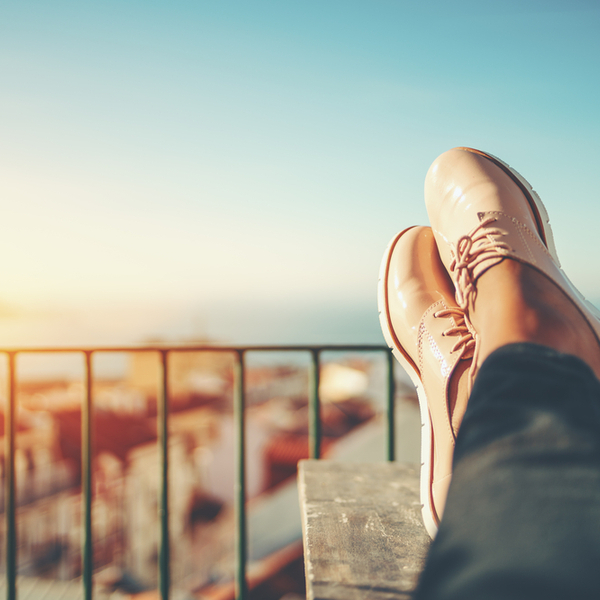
x=166, y=165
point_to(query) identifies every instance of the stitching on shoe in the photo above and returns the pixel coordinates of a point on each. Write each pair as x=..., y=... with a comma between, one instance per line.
x=434, y=346
x=449, y=364
x=420, y=347
x=422, y=330
x=435, y=350
x=522, y=228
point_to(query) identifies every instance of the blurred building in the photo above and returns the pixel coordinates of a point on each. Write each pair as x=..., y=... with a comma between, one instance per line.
x=201, y=464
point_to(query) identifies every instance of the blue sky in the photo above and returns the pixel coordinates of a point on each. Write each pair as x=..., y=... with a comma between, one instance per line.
x=236, y=169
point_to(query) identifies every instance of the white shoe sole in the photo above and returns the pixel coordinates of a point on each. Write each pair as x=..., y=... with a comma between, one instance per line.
x=427, y=510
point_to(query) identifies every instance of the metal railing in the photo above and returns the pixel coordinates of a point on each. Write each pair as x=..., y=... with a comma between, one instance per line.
x=239, y=353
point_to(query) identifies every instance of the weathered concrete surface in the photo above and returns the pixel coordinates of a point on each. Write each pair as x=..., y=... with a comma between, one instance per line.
x=363, y=533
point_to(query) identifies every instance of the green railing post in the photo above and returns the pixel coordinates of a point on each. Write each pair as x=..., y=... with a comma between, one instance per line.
x=241, y=584
x=11, y=523
x=86, y=480
x=164, y=575
x=163, y=429
x=314, y=406
x=391, y=409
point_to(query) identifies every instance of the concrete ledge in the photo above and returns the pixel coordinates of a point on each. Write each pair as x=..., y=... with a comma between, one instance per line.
x=363, y=533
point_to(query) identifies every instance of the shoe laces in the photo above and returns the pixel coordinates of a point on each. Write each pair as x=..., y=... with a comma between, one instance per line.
x=472, y=249
x=466, y=343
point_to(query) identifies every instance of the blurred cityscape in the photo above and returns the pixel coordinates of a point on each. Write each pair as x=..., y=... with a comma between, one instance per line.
x=201, y=471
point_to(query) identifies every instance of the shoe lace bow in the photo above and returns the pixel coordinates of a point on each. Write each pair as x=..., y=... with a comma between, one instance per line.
x=472, y=249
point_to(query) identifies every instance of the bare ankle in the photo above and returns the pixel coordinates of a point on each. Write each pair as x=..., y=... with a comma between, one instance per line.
x=515, y=303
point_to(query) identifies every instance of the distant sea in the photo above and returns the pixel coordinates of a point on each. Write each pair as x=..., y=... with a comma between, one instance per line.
x=236, y=323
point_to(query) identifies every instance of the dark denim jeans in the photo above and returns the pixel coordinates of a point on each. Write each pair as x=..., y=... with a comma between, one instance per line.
x=522, y=519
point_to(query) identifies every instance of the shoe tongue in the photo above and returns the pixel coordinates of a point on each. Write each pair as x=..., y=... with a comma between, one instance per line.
x=468, y=354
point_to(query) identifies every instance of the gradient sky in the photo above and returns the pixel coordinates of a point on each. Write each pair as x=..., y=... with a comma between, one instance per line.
x=236, y=169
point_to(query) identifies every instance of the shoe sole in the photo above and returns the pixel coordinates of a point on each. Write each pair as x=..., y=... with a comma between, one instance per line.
x=403, y=357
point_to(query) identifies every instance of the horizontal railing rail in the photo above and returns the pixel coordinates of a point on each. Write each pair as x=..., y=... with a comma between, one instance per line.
x=239, y=390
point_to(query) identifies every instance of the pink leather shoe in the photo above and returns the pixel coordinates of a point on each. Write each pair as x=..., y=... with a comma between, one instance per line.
x=483, y=211
x=426, y=331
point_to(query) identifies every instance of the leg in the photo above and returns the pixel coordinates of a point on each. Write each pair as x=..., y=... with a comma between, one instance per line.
x=522, y=519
